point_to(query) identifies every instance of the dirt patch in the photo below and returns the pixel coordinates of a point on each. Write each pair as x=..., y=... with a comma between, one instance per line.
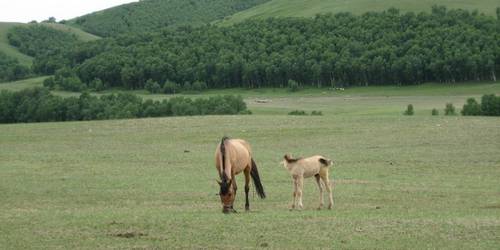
x=352, y=181
x=494, y=206
x=128, y=234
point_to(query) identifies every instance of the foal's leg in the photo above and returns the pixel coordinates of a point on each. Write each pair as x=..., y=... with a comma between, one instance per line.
x=326, y=181
x=295, y=190
x=320, y=191
x=247, y=188
x=300, y=190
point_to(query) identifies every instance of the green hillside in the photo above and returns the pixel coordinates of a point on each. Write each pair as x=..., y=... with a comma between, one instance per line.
x=80, y=34
x=9, y=50
x=156, y=14
x=300, y=8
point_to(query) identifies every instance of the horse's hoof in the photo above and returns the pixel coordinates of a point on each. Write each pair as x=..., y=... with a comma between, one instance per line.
x=319, y=208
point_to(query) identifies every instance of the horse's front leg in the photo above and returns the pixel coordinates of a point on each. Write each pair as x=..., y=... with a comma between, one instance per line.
x=235, y=188
x=247, y=188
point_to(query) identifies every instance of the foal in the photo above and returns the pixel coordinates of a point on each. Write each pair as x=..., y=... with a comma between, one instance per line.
x=301, y=168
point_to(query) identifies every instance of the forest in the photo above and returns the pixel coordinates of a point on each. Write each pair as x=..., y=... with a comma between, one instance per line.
x=376, y=48
x=156, y=14
x=11, y=69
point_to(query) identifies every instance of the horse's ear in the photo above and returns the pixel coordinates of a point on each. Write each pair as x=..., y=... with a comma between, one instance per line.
x=219, y=182
x=229, y=183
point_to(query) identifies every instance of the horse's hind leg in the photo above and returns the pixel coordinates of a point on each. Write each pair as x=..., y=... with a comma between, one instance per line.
x=247, y=188
x=326, y=181
x=320, y=191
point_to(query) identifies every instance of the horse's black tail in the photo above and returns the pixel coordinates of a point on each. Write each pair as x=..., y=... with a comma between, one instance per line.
x=256, y=180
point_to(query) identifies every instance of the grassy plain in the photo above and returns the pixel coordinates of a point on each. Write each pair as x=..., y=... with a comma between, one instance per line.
x=299, y=8
x=400, y=182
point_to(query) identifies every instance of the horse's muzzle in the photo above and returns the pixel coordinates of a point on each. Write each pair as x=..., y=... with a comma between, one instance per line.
x=228, y=209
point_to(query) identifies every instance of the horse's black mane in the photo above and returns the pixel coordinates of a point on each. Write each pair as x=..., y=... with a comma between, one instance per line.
x=224, y=187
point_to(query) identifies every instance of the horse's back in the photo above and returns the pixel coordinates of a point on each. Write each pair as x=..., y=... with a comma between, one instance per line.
x=238, y=152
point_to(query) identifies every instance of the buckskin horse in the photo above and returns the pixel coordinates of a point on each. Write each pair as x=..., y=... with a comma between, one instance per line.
x=232, y=157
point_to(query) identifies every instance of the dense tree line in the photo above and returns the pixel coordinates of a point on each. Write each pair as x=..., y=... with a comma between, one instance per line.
x=328, y=50
x=11, y=69
x=153, y=15
x=46, y=44
x=39, y=105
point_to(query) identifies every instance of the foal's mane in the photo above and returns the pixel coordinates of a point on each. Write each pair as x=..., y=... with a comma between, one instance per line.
x=289, y=159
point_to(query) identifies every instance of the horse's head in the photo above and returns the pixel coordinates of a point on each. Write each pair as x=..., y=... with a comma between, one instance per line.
x=227, y=195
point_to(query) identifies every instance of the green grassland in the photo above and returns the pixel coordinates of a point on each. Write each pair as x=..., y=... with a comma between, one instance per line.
x=299, y=8
x=11, y=50
x=400, y=182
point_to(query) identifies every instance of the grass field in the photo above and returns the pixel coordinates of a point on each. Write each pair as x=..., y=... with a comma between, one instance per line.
x=400, y=182
x=299, y=8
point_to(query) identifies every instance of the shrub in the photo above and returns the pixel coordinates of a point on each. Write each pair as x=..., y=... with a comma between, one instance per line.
x=409, y=110
x=170, y=87
x=318, y=113
x=49, y=83
x=199, y=86
x=471, y=107
x=449, y=109
x=490, y=105
x=152, y=86
x=97, y=85
x=187, y=86
x=435, y=112
x=297, y=112
x=293, y=86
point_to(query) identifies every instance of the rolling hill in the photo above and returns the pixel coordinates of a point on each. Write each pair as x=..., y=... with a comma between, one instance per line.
x=26, y=60
x=300, y=8
x=10, y=50
x=152, y=15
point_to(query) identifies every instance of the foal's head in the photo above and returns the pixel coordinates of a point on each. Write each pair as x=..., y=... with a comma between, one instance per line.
x=226, y=194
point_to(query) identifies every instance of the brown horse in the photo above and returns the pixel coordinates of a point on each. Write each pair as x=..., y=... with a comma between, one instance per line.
x=232, y=157
x=301, y=168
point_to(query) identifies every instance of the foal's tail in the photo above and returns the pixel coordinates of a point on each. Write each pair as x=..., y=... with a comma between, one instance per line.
x=256, y=180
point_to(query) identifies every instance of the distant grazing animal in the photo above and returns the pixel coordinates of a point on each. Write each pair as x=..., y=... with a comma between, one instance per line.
x=232, y=157
x=301, y=168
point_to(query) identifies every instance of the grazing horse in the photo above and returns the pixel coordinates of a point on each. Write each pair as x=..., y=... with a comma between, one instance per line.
x=301, y=168
x=232, y=157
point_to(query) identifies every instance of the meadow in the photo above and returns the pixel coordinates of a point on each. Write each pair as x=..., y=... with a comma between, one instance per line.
x=400, y=181
x=298, y=8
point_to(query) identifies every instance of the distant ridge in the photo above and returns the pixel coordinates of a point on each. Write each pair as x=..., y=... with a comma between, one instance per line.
x=151, y=15
x=309, y=8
